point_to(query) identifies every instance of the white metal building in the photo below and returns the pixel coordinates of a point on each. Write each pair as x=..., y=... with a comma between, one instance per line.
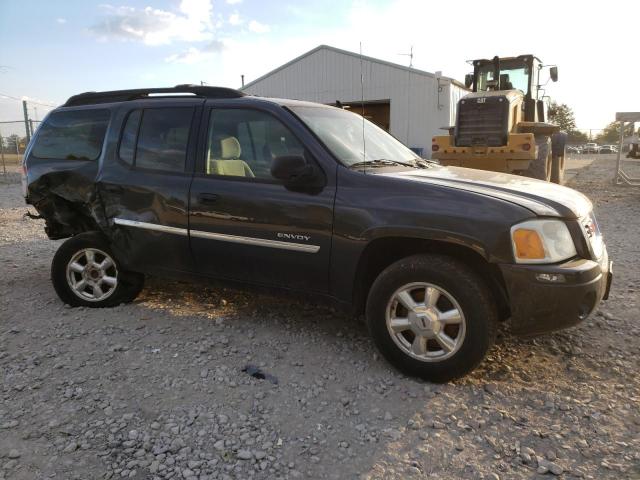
x=411, y=104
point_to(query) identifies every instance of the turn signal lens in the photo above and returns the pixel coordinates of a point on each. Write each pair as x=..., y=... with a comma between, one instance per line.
x=542, y=241
x=435, y=147
x=528, y=244
x=526, y=147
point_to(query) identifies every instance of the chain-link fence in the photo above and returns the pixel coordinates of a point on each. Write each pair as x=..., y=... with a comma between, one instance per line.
x=12, y=146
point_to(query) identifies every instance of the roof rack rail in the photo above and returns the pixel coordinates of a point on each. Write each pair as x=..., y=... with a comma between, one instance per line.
x=88, y=98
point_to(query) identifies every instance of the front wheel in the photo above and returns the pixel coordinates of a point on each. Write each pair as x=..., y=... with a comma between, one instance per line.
x=85, y=273
x=557, y=169
x=558, y=154
x=431, y=317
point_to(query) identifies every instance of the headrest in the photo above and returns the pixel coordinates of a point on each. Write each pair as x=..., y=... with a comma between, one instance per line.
x=230, y=148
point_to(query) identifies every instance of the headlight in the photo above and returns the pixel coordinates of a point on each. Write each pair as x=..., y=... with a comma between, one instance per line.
x=542, y=241
x=593, y=235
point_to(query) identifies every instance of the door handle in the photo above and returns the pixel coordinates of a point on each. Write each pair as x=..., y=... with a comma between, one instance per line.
x=207, y=198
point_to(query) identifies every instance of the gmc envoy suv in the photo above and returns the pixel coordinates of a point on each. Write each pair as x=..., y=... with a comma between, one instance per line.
x=204, y=182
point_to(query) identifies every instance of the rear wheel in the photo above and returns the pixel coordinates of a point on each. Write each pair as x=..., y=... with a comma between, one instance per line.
x=431, y=317
x=84, y=272
x=540, y=168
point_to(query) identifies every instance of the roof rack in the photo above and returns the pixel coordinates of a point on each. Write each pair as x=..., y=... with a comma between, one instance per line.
x=89, y=98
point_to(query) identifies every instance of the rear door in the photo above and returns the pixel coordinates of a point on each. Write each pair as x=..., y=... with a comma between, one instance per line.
x=145, y=185
x=245, y=224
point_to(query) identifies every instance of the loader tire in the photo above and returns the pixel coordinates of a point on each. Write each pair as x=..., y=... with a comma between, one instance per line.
x=540, y=168
x=559, y=154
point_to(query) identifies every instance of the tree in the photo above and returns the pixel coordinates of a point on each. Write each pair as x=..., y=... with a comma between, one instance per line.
x=577, y=137
x=14, y=144
x=611, y=133
x=562, y=115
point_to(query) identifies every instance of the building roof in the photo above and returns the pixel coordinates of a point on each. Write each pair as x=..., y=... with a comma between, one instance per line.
x=351, y=54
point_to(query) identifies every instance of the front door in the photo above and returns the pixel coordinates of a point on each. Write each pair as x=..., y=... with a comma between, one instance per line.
x=145, y=186
x=245, y=224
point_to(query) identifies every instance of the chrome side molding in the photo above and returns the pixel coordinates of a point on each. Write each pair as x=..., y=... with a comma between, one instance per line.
x=222, y=237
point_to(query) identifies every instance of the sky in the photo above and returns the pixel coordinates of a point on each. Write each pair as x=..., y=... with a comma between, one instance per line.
x=53, y=49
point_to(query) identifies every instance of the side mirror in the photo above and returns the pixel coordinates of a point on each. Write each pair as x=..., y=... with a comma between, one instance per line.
x=292, y=170
x=468, y=80
x=553, y=72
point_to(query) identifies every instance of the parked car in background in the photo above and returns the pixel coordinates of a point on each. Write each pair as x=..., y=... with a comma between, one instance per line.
x=591, y=148
x=209, y=182
x=608, y=149
x=574, y=149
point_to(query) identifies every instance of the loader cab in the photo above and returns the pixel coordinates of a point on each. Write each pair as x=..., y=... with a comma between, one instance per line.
x=513, y=73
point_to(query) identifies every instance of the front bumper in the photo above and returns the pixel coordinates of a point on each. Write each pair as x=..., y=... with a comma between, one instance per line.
x=506, y=158
x=541, y=302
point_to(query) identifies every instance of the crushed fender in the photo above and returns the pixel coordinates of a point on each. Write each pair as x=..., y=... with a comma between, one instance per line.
x=67, y=200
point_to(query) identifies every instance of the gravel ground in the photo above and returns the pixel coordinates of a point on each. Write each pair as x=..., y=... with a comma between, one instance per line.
x=155, y=389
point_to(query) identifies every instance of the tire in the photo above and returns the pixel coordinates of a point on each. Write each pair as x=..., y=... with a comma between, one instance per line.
x=71, y=267
x=540, y=168
x=459, y=288
x=559, y=154
x=557, y=169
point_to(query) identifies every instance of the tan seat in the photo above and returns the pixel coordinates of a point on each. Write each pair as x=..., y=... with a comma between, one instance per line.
x=230, y=163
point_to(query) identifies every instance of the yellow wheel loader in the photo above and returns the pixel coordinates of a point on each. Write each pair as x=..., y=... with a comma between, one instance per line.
x=501, y=125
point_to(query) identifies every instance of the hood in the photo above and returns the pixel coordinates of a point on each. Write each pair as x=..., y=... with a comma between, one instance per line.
x=542, y=198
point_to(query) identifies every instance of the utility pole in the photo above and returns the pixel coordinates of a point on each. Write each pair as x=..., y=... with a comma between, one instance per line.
x=26, y=120
x=4, y=166
x=31, y=126
x=242, y=79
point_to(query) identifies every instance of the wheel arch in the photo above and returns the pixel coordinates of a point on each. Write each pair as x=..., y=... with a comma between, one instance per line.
x=66, y=218
x=383, y=251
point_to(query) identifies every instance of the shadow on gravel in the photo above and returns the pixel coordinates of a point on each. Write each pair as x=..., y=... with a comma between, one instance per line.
x=511, y=357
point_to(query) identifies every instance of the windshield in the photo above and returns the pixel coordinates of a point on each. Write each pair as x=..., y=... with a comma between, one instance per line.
x=343, y=133
x=514, y=76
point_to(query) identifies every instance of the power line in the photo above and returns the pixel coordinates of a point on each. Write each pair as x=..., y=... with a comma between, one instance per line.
x=29, y=101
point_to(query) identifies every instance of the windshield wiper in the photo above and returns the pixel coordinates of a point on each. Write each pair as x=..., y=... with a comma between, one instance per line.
x=380, y=162
x=426, y=163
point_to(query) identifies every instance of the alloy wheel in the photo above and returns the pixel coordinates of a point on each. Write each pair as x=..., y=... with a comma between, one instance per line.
x=92, y=275
x=425, y=322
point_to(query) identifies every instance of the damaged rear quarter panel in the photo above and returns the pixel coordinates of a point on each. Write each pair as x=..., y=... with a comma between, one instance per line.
x=64, y=193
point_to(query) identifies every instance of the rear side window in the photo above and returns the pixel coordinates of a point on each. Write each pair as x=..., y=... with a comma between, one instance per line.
x=163, y=139
x=72, y=135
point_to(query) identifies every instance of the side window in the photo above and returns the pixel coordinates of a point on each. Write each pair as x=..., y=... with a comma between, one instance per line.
x=163, y=138
x=72, y=135
x=244, y=137
x=242, y=143
x=129, y=136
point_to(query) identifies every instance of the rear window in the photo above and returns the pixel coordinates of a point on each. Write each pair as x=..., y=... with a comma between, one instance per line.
x=163, y=139
x=72, y=135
